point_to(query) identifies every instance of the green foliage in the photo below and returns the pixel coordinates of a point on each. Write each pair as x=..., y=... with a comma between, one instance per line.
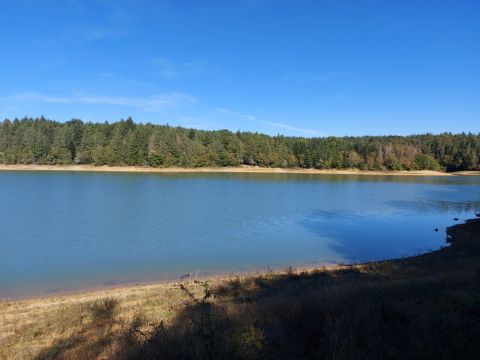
x=42, y=141
x=425, y=162
x=392, y=163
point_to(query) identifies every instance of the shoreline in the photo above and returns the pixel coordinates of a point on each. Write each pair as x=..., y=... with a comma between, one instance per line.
x=126, y=287
x=121, y=287
x=110, y=323
x=239, y=169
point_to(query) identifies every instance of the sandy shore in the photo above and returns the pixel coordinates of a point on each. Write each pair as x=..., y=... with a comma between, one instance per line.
x=128, y=288
x=240, y=169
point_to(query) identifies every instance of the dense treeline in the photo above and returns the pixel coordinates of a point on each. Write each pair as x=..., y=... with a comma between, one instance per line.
x=42, y=141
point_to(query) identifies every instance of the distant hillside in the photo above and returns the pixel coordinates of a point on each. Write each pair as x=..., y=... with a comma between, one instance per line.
x=42, y=141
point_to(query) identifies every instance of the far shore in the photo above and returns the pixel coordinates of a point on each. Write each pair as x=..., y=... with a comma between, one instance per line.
x=239, y=169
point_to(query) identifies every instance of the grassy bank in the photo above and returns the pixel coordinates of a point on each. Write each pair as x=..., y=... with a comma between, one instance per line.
x=421, y=307
x=239, y=169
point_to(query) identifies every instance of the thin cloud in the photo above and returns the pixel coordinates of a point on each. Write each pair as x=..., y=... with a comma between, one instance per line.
x=235, y=113
x=274, y=124
x=293, y=128
x=155, y=103
x=182, y=107
x=113, y=20
x=171, y=68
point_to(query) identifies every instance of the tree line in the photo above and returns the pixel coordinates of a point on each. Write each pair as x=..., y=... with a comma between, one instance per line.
x=42, y=141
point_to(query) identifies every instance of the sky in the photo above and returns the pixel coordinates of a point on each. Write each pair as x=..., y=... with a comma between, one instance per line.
x=293, y=67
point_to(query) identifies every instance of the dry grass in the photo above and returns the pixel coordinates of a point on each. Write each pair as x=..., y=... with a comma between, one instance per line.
x=28, y=327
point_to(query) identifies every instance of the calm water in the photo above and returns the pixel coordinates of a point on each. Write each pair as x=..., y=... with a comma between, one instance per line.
x=64, y=231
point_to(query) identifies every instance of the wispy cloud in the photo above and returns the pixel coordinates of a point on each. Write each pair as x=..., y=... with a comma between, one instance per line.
x=293, y=128
x=235, y=113
x=171, y=68
x=116, y=11
x=274, y=124
x=155, y=103
x=112, y=20
x=183, y=108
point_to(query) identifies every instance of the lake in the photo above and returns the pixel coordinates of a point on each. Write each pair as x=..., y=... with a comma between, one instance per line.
x=64, y=231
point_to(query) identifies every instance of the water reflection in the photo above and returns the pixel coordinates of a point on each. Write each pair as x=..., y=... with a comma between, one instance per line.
x=304, y=177
x=443, y=206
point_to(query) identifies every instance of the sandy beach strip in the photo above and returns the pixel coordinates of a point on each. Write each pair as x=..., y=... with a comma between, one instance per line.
x=240, y=169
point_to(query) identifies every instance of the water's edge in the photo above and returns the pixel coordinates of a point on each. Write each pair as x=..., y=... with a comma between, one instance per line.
x=241, y=169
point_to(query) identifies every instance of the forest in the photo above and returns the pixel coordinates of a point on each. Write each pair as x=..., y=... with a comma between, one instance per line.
x=43, y=141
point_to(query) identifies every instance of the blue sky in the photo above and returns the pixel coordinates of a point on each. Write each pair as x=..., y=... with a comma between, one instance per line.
x=304, y=68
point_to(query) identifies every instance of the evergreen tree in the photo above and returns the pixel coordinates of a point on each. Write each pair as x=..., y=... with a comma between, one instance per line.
x=42, y=141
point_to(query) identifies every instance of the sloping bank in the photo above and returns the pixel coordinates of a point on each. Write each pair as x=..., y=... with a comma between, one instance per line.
x=426, y=306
